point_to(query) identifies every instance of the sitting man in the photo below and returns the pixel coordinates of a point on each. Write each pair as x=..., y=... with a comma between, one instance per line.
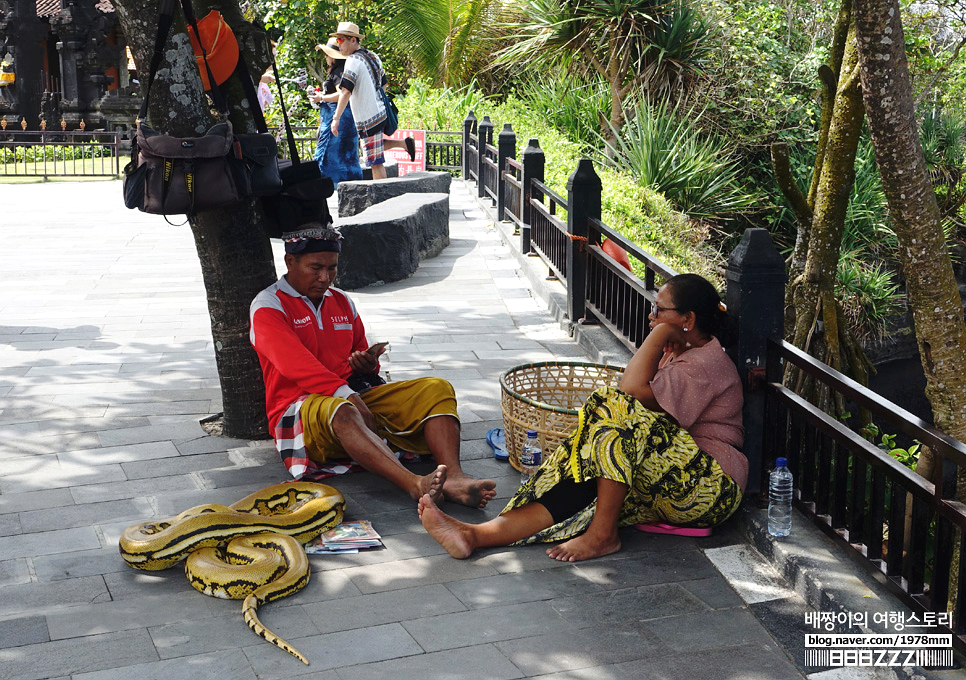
x=312, y=346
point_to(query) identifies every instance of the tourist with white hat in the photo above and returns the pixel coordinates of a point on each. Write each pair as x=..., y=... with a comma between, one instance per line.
x=361, y=78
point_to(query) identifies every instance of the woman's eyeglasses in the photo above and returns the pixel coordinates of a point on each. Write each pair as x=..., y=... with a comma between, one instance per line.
x=656, y=310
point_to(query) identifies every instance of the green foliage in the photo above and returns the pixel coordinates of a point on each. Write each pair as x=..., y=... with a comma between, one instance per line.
x=570, y=103
x=40, y=153
x=664, y=149
x=447, y=40
x=636, y=211
x=908, y=457
x=868, y=294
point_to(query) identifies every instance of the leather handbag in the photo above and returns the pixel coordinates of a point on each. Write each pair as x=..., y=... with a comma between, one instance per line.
x=187, y=175
x=166, y=173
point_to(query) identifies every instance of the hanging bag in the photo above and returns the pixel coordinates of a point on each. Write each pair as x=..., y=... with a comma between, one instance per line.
x=170, y=175
x=304, y=188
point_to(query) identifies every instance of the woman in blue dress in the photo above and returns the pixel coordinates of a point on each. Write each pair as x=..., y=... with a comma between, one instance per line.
x=338, y=157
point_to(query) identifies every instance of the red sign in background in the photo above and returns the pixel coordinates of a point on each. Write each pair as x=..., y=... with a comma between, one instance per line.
x=401, y=156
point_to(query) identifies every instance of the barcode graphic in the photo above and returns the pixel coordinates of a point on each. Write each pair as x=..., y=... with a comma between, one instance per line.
x=926, y=658
x=817, y=657
x=934, y=658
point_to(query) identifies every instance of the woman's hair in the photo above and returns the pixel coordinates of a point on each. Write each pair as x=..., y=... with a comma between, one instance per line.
x=693, y=293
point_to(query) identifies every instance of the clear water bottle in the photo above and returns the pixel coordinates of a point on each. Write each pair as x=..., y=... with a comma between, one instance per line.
x=780, y=499
x=531, y=457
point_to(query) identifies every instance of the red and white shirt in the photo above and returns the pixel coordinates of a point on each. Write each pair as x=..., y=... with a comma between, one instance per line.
x=303, y=350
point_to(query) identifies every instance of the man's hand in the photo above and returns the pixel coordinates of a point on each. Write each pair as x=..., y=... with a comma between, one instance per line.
x=364, y=411
x=334, y=128
x=363, y=362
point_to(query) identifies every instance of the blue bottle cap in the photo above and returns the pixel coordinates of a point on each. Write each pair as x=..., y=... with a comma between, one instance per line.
x=531, y=433
x=781, y=462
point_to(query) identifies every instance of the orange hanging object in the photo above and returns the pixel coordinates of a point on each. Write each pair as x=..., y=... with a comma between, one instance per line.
x=220, y=45
x=616, y=252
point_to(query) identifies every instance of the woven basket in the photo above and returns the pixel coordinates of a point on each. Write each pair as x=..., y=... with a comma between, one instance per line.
x=546, y=397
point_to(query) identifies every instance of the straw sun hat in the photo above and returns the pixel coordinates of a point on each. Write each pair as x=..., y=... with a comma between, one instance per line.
x=348, y=28
x=331, y=49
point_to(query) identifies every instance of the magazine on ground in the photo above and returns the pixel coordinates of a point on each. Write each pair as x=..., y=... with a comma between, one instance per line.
x=348, y=537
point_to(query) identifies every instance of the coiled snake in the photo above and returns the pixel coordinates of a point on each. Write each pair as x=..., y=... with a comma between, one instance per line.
x=250, y=549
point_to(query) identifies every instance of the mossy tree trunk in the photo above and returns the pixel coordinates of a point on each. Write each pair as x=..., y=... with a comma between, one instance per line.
x=814, y=320
x=236, y=255
x=933, y=293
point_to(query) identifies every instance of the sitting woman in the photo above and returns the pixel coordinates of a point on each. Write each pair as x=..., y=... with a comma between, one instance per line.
x=662, y=448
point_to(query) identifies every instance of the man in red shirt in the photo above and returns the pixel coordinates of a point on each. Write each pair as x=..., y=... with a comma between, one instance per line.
x=318, y=368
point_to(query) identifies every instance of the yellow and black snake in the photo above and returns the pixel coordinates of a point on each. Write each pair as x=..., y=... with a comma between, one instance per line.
x=250, y=549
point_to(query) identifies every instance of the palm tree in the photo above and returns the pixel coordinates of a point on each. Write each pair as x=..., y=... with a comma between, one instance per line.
x=448, y=40
x=636, y=45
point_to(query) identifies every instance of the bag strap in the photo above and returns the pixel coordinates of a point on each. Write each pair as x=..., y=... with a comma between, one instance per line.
x=165, y=20
x=293, y=150
x=248, y=84
x=366, y=56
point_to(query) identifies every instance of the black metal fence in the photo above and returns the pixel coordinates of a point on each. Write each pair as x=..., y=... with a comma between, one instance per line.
x=80, y=153
x=59, y=154
x=902, y=527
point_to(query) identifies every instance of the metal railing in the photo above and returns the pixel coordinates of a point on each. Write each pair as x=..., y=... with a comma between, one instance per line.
x=548, y=233
x=617, y=297
x=444, y=150
x=901, y=526
x=59, y=154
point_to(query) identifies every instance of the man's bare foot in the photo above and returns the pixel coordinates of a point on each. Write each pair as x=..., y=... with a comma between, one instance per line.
x=432, y=484
x=585, y=547
x=448, y=532
x=465, y=490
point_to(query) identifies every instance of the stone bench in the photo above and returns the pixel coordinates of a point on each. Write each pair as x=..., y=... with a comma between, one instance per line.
x=356, y=196
x=386, y=241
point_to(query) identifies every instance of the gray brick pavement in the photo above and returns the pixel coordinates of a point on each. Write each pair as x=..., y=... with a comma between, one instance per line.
x=106, y=366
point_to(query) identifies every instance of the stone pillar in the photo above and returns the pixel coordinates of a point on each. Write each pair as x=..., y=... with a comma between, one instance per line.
x=583, y=202
x=756, y=303
x=485, y=137
x=25, y=35
x=533, y=162
x=506, y=144
x=469, y=129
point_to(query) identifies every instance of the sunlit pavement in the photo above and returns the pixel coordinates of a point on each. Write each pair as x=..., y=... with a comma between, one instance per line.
x=106, y=368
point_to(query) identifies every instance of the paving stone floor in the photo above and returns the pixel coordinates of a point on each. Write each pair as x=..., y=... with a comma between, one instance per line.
x=106, y=367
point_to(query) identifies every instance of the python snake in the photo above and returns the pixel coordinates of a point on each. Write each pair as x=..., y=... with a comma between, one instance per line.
x=250, y=549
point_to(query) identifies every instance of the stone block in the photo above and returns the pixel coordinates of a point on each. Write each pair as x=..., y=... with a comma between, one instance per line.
x=357, y=196
x=386, y=242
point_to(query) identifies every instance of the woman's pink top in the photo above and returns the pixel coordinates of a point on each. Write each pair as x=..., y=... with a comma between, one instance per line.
x=701, y=390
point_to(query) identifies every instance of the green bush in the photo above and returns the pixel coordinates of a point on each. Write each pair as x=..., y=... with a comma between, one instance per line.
x=639, y=213
x=664, y=149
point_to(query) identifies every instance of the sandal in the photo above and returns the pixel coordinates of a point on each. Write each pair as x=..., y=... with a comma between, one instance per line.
x=497, y=441
x=411, y=148
x=659, y=528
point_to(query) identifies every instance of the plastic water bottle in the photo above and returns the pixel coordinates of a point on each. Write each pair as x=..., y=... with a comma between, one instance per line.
x=531, y=457
x=780, y=499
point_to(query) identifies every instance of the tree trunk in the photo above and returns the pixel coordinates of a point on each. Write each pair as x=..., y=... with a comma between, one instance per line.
x=813, y=292
x=236, y=255
x=933, y=294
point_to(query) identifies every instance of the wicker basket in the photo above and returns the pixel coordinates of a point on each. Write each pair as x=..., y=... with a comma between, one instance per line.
x=546, y=397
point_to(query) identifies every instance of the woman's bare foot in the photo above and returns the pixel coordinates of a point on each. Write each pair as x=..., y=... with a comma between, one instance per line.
x=465, y=490
x=431, y=485
x=448, y=532
x=585, y=547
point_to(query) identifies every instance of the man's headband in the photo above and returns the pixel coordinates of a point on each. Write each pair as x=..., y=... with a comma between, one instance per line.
x=318, y=240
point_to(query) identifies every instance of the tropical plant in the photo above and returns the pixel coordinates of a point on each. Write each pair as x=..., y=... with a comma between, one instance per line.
x=651, y=45
x=867, y=293
x=664, y=149
x=448, y=41
x=569, y=102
